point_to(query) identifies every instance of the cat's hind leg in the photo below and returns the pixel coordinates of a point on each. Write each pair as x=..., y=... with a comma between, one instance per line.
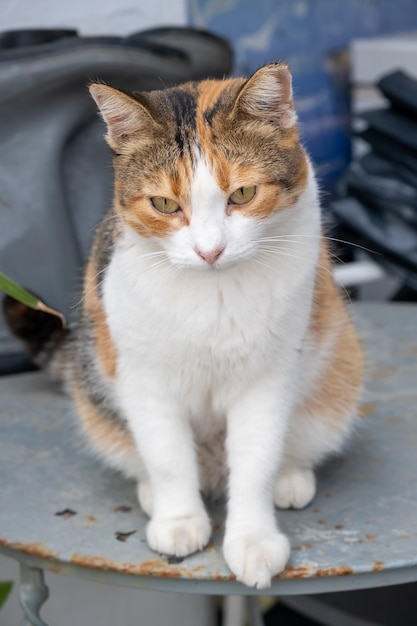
x=324, y=418
x=294, y=488
x=312, y=437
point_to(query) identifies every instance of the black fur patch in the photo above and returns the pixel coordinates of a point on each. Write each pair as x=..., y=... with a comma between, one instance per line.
x=39, y=332
x=88, y=378
x=223, y=104
x=103, y=244
x=184, y=107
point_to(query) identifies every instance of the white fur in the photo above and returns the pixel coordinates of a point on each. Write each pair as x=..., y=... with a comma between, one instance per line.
x=211, y=228
x=294, y=488
x=203, y=350
x=272, y=97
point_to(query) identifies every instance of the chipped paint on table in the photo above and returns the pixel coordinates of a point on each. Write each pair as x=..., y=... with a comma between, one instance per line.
x=60, y=510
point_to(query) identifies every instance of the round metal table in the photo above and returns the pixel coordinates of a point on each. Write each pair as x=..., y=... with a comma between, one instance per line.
x=62, y=511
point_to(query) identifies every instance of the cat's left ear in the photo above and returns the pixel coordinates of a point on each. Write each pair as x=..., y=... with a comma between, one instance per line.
x=125, y=117
x=267, y=95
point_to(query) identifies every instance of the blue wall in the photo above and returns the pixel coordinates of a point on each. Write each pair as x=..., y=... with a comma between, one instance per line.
x=306, y=33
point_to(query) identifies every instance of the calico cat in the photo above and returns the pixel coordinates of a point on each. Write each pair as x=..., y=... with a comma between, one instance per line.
x=213, y=353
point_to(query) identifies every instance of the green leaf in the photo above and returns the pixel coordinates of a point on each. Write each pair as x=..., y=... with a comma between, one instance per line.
x=5, y=589
x=17, y=292
x=25, y=297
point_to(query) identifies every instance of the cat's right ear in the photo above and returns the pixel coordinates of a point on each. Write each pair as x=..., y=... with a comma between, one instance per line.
x=124, y=115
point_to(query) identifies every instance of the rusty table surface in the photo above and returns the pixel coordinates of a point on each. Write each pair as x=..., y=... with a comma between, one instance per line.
x=61, y=511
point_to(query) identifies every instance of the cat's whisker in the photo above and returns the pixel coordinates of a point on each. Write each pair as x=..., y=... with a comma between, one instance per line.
x=162, y=274
x=280, y=237
x=319, y=236
x=150, y=254
x=256, y=260
x=295, y=256
x=135, y=270
x=318, y=265
x=304, y=259
x=334, y=257
x=276, y=238
x=109, y=218
x=97, y=285
x=137, y=266
x=149, y=268
x=88, y=291
x=301, y=243
x=172, y=268
x=169, y=268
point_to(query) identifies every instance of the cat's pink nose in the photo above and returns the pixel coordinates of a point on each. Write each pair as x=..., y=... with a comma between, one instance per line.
x=210, y=256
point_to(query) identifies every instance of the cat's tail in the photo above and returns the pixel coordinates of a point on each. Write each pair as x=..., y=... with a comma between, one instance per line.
x=43, y=335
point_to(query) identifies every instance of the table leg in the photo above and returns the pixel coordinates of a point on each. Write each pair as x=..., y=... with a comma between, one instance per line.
x=254, y=610
x=33, y=593
x=233, y=611
x=235, y=608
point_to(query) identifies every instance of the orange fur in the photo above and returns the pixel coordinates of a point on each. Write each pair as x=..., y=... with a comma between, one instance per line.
x=106, y=434
x=336, y=393
x=106, y=350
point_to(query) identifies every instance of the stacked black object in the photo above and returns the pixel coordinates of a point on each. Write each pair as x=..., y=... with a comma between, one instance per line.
x=377, y=199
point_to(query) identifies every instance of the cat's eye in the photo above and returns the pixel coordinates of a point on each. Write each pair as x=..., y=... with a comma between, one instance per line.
x=243, y=195
x=165, y=205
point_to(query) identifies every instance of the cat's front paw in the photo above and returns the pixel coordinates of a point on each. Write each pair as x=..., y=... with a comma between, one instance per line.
x=179, y=536
x=294, y=489
x=256, y=558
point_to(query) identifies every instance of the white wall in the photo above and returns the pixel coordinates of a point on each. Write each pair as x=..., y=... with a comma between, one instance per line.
x=92, y=17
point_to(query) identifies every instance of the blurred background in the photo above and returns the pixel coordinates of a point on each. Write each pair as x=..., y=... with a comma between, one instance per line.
x=313, y=36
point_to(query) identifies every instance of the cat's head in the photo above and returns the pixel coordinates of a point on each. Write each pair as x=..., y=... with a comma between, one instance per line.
x=206, y=169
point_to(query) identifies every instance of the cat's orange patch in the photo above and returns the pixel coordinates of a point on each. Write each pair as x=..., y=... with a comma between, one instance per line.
x=177, y=185
x=144, y=219
x=336, y=392
x=209, y=94
x=107, y=435
x=236, y=164
x=106, y=350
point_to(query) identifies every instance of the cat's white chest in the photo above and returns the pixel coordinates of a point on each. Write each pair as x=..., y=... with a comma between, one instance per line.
x=203, y=337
